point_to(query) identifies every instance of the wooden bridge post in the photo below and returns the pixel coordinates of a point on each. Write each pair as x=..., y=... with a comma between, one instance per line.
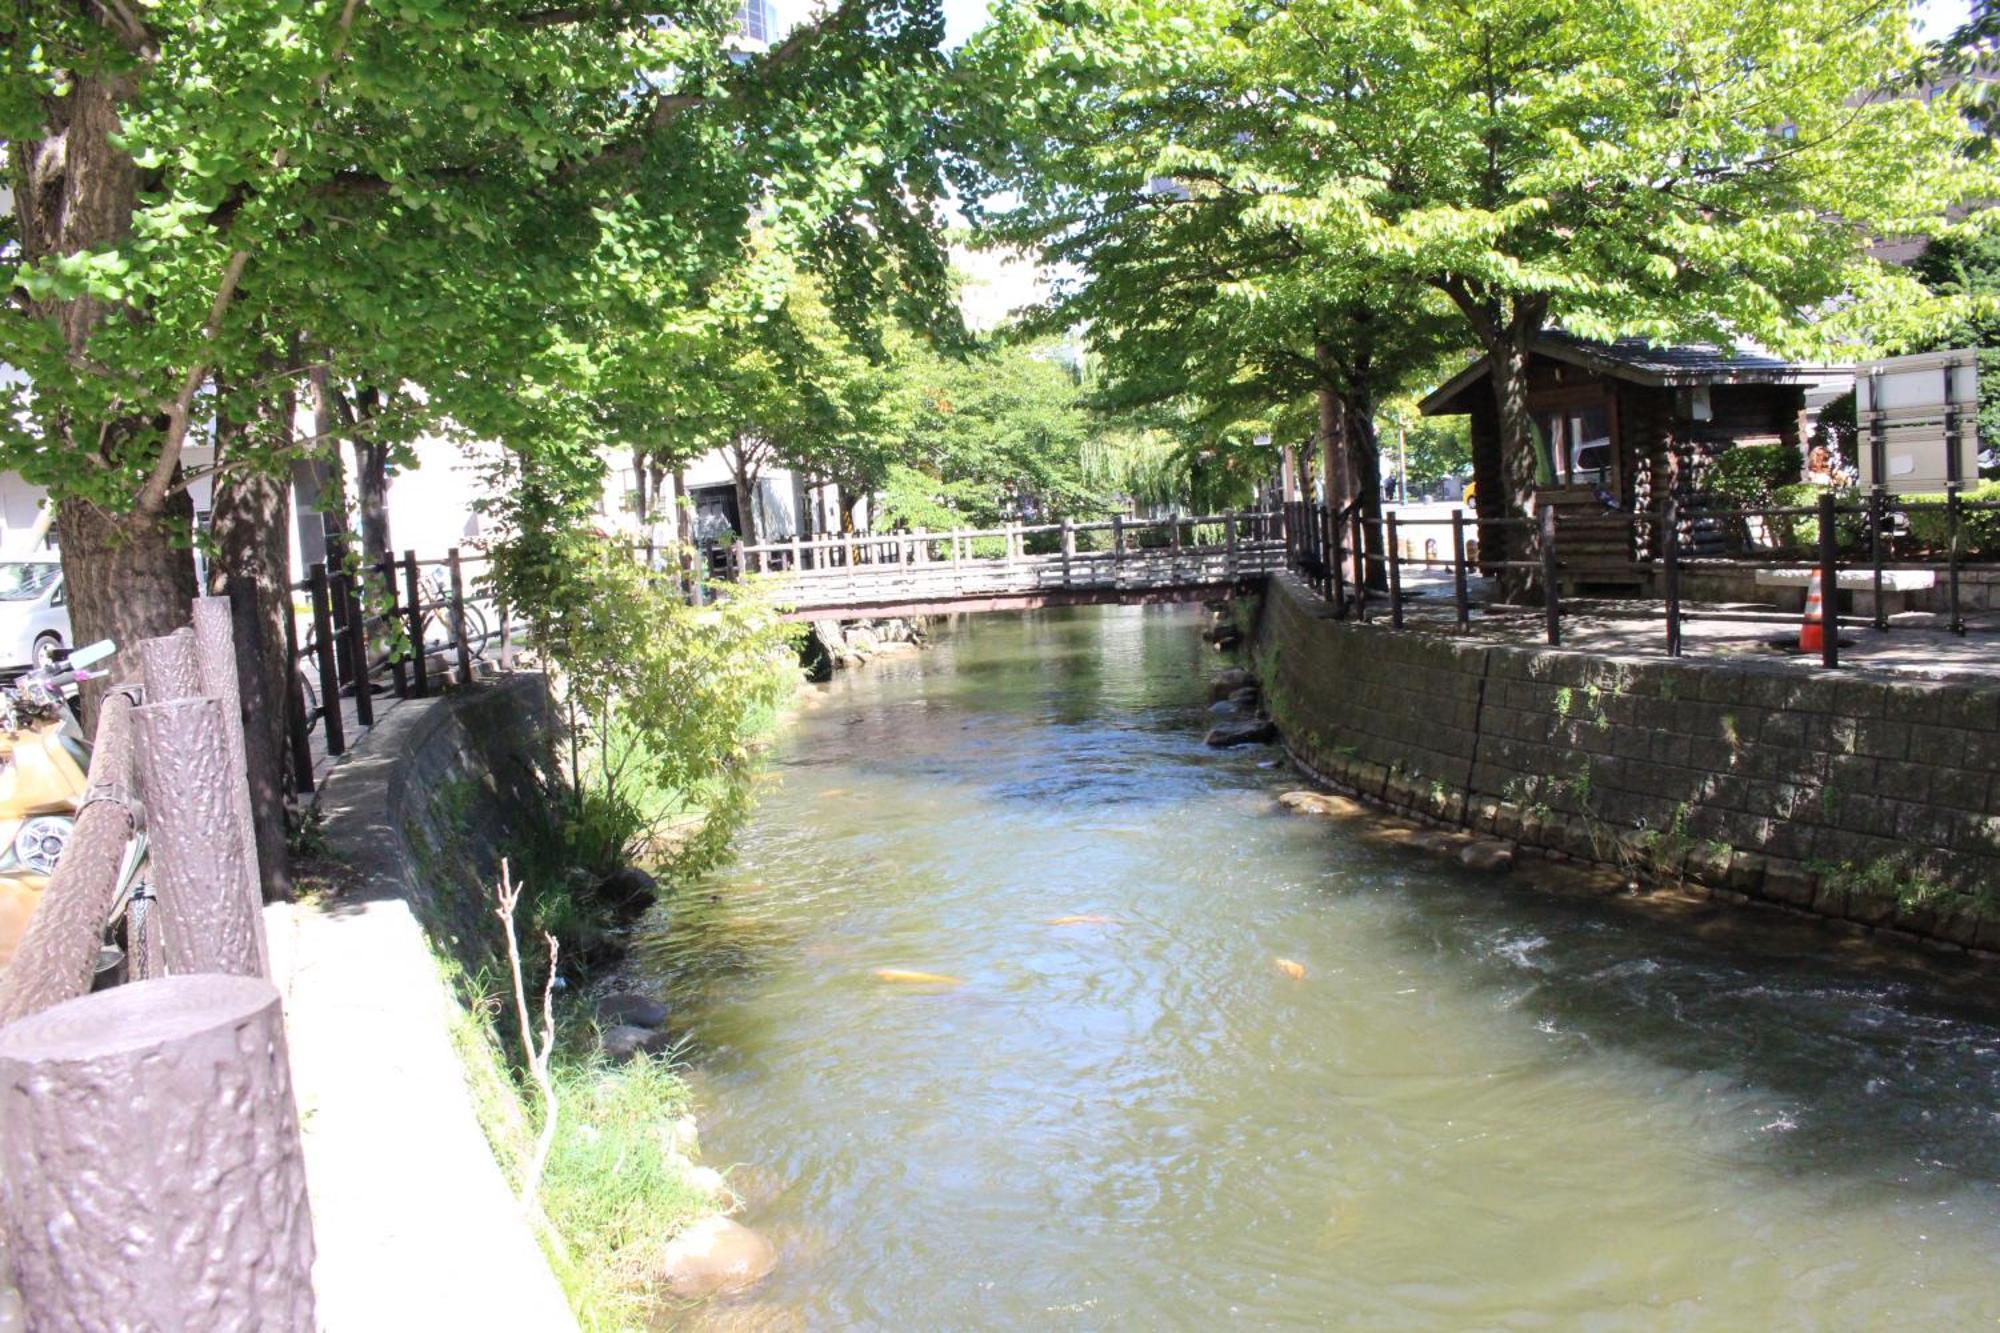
x=1068, y=547
x=1229, y=547
x=957, y=576
x=1117, y=546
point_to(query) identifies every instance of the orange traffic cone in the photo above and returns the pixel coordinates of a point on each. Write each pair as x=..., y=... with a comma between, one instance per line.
x=1812, y=634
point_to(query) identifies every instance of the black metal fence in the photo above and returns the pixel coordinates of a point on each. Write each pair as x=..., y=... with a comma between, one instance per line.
x=371, y=626
x=1357, y=562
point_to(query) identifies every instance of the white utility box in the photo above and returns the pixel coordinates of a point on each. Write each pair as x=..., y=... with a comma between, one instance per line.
x=1918, y=419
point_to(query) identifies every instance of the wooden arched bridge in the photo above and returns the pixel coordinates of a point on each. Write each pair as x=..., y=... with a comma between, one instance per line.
x=1018, y=567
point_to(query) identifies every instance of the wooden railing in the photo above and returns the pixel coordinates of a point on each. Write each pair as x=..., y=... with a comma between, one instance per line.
x=1115, y=555
x=152, y=1098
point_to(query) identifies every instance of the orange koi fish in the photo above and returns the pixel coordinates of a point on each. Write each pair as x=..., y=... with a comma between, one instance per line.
x=915, y=978
x=1082, y=921
x=1296, y=971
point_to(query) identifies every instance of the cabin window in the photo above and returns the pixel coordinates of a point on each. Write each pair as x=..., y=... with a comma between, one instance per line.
x=1576, y=445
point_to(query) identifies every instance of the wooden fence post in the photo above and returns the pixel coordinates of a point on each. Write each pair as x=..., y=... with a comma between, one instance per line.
x=414, y=590
x=201, y=863
x=215, y=647
x=458, y=616
x=1117, y=546
x=1068, y=547
x=150, y=1168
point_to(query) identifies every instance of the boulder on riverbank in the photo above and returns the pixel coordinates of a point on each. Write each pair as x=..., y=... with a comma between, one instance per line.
x=624, y=1041
x=715, y=1257
x=630, y=1009
x=629, y=893
x=1254, y=731
x=1227, y=682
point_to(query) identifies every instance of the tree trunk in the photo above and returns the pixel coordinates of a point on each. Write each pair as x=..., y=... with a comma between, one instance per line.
x=683, y=512
x=744, y=472
x=850, y=500
x=251, y=517
x=1365, y=456
x=127, y=577
x=1509, y=357
x=639, y=505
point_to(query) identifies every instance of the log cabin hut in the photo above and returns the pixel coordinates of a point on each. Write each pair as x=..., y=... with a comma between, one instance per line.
x=1621, y=425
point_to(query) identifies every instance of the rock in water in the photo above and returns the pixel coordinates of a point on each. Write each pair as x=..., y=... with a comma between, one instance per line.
x=1258, y=731
x=1321, y=803
x=626, y=1042
x=715, y=1257
x=629, y=893
x=1225, y=683
x=1489, y=855
x=1247, y=696
x=630, y=1009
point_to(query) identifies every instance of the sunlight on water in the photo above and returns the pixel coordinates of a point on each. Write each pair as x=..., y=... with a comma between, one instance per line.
x=1471, y=1104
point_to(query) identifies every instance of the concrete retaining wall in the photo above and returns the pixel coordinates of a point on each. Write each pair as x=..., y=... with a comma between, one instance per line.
x=1853, y=796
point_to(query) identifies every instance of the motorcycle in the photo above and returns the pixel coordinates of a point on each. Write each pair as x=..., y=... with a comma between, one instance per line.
x=44, y=769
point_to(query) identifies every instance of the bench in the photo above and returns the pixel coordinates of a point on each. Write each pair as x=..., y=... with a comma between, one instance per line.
x=1897, y=585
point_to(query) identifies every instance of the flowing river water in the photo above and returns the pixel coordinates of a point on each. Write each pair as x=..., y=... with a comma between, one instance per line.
x=1482, y=1105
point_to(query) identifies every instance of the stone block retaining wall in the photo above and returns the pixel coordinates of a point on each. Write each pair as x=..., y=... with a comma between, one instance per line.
x=1852, y=796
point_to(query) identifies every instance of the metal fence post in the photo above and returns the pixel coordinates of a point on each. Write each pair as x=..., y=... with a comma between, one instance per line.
x=106, y=1228
x=458, y=615
x=329, y=673
x=354, y=634
x=414, y=590
x=1670, y=554
x=1878, y=511
x=298, y=727
x=392, y=615
x=1395, y=573
x=1551, y=597
x=1829, y=575
x=1461, y=601
x=1953, y=517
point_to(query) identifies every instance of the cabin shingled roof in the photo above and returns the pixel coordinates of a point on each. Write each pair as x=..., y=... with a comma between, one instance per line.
x=1642, y=362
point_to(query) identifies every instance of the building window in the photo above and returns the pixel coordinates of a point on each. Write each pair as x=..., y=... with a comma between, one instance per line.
x=1576, y=446
x=753, y=20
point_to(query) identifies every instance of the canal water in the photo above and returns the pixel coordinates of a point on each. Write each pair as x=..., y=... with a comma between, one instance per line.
x=1479, y=1106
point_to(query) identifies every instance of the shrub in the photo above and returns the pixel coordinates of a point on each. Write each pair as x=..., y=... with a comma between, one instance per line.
x=1979, y=530
x=1751, y=474
x=1802, y=530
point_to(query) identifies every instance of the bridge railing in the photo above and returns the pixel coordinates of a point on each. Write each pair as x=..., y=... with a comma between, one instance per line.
x=1113, y=554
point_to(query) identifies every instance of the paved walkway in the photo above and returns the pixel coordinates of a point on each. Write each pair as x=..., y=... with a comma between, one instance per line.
x=415, y=1226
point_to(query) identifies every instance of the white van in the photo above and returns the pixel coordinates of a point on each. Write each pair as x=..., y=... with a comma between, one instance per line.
x=34, y=614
